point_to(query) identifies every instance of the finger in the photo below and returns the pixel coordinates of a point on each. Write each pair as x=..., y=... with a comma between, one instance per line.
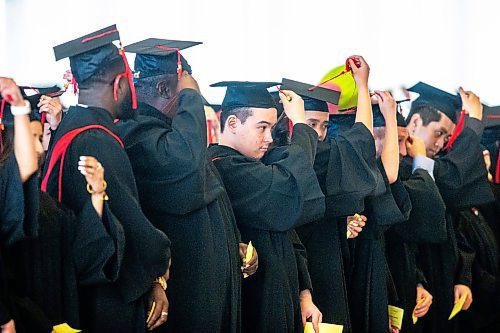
x=304, y=318
x=357, y=229
x=162, y=319
x=315, y=321
x=352, y=65
x=457, y=295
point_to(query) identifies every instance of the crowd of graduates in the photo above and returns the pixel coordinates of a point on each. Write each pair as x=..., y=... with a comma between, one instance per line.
x=144, y=208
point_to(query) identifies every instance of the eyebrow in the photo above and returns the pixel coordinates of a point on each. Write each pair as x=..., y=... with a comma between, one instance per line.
x=442, y=129
x=263, y=122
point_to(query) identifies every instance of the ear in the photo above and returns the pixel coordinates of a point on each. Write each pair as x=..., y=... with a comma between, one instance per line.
x=415, y=122
x=232, y=123
x=122, y=87
x=163, y=89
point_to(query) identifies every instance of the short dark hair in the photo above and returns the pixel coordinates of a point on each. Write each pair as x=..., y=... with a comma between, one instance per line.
x=241, y=113
x=106, y=73
x=146, y=86
x=427, y=113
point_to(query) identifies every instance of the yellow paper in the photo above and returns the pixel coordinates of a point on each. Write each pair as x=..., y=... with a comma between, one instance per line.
x=458, y=306
x=153, y=306
x=64, y=328
x=396, y=315
x=324, y=328
x=248, y=256
x=413, y=317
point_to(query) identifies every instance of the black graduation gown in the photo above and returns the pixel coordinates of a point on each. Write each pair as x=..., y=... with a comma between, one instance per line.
x=484, y=314
x=423, y=226
x=461, y=178
x=69, y=252
x=117, y=306
x=347, y=173
x=182, y=195
x=16, y=223
x=368, y=292
x=269, y=198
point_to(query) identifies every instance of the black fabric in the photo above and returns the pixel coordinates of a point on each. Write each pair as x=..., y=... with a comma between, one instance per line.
x=423, y=226
x=461, y=178
x=368, y=295
x=473, y=232
x=182, y=194
x=17, y=222
x=347, y=173
x=146, y=252
x=461, y=174
x=277, y=195
x=69, y=255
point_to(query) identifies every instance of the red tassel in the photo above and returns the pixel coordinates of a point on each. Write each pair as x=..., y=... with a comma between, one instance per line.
x=457, y=131
x=179, y=63
x=88, y=39
x=130, y=77
x=497, y=171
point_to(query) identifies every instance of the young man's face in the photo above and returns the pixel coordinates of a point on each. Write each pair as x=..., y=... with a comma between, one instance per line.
x=253, y=137
x=435, y=134
x=36, y=130
x=318, y=121
x=402, y=137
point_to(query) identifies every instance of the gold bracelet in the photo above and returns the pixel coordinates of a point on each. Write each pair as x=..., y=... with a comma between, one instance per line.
x=104, y=195
x=91, y=190
x=161, y=281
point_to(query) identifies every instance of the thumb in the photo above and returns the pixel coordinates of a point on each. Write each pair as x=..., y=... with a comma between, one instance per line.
x=462, y=93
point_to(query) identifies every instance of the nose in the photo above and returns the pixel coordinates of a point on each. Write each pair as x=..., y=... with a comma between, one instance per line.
x=268, y=137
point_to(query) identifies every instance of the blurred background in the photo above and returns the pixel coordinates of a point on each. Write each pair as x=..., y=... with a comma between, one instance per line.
x=446, y=43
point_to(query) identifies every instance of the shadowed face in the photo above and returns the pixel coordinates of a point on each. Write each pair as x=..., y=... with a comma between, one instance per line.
x=318, y=121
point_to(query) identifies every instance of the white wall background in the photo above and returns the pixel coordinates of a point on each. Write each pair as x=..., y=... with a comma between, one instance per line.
x=447, y=43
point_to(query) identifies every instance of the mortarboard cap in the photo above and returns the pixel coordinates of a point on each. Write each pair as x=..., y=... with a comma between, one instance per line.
x=246, y=94
x=441, y=100
x=159, y=56
x=315, y=99
x=491, y=116
x=89, y=53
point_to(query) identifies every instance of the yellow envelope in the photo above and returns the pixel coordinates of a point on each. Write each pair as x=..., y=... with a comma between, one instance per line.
x=248, y=256
x=64, y=328
x=396, y=315
x=458, y=306
x=324, y=328
x=413, y=317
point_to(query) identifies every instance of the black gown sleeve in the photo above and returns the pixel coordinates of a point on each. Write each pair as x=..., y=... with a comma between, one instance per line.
x=424, y=225
x=278, y=193
x=98, y=246
x=301, y=257
x=461, y=173
x=18, y=204
x=347, y=171
x=170, y=161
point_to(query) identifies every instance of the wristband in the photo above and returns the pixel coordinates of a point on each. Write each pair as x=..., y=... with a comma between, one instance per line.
x=21, y=110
